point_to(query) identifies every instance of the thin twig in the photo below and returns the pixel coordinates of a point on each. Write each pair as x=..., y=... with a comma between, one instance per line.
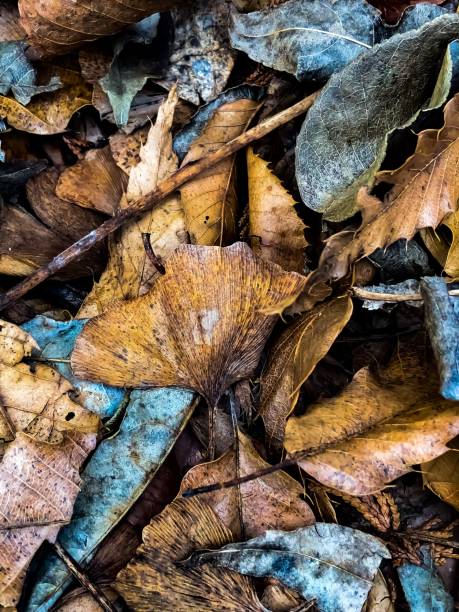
x=78, y=573
x=237, y=458
x=364, y=294
x=154, y=198
x=155, y=260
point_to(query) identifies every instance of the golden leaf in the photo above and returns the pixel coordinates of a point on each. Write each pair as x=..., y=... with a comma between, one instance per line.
x=153, y=580
x=270, y=502
x=425, y=190
x=276, y=231
x=210, y=201
x=129, y=272
x=48, y=113
x=200, y=327
x=93, y=182
x=293, y=358
x=442, y=476
x=377, y=427
x=56, y=27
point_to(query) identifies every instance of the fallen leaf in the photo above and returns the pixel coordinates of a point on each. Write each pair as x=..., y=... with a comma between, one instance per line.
x=201, y=57
x=343, y=138
x=126, y=147
x=313, y=40
x=332, y=564
x=94, y=182
x=380, y=425
x=279, y=598
x=129, y=272
x=10, y=28
x=276, y=231
x=270, y=502
x=202, y=326
x=154, y=580
x=442, y=476
x=424, y=589
x=441, y=313
x=15, y=344
x=428, y=178
x=379, y=597
x=392, y=10
x=48, y=113
x=210, y=201
x=49, y=32
x=293, y=358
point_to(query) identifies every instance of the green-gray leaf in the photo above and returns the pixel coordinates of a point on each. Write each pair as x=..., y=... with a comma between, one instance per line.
x=344, y=136
x=312, y=39
x=332, y=564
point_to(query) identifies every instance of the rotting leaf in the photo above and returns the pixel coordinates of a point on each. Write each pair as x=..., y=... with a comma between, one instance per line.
x=270, y=502
x=442, y=475
x=380, y=425
x=276, y=231
x=332, y=564
x=293, y=358
x=154, y=580
x=312, y=40
x=210, y=201
x=343, y=138
x=424, y=192
x=129, y=272
x=424, y=589
x=202, y=326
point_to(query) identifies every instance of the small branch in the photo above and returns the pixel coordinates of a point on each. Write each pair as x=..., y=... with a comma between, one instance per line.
x=164, y=188
x=364, y=294
x=78, y=573
x=155, y=260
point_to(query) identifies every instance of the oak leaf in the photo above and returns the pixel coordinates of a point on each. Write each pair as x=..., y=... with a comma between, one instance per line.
x=154, y=579
x=210, y=201
x=380, y=425
x=56, y=27
x=425, y=190
x=202, y=326
x=276, y=232
x=293, y=358
x=270, y=502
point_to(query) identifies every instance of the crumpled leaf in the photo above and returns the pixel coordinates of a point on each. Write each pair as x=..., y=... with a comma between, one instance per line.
x=93, y=182
x=116, y=475
x=293, y=358
x=202, y=326
x=210, y=201
x=56, y=27
x=270, y=502
x=40, y=460
x=129, y=70
x=18, y=74
x=154, y=580
x=441, y=313
x=276, y=231
x=442, y=476
x=201, y=57
x=332, y=564
x=343, y=138
x=312, y=40
x=424, y=589
x=427, y=179
x=129, y=272
x=380, y=425
x=379, y=598
x=48, y=113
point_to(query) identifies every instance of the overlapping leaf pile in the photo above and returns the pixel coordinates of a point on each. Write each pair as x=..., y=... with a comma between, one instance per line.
x=246, y=398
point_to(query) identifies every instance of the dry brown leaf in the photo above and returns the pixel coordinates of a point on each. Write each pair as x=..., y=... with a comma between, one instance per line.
x=379, y=598
x=153, y=580
x=56, y=27
x=202, y=326
x=280, y=598
x=270, y=502
x=442, y=476
x=39, y=480
x=93, y=182
x=293, y=358
x=378, y=427
x=425, y=190
x=10, y=28
x=210, y=201
x=276, y=231
x=445, y=249
x=392, y=10
x=126, y=147
x=130, y=272
x=48, y=113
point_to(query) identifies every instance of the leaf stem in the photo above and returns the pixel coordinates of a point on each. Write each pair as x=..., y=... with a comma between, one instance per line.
x=364, y=294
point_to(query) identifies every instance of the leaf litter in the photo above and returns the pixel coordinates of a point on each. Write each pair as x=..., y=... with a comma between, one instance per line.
x=244, y=397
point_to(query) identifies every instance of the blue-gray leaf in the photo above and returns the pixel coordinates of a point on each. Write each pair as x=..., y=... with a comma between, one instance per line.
x=332, y=564
x=424, y=589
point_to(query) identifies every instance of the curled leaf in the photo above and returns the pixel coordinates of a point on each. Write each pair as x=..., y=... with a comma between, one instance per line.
x=442, y=476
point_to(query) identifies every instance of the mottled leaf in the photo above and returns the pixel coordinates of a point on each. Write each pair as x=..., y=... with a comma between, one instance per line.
x=424, y=589
x=442, y=475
